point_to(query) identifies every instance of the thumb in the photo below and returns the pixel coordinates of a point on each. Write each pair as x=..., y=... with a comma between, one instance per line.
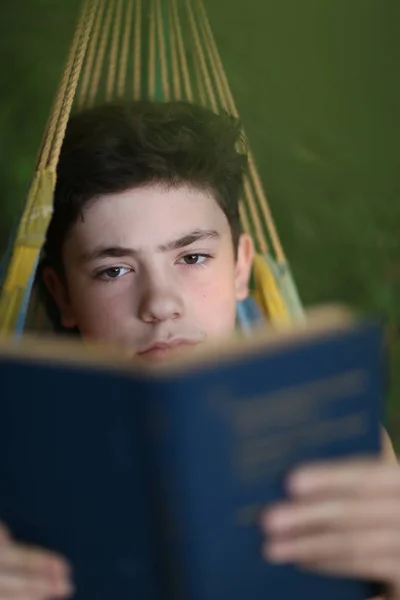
x=5, y=535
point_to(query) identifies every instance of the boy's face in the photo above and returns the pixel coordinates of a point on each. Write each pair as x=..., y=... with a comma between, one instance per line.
x=153, y=270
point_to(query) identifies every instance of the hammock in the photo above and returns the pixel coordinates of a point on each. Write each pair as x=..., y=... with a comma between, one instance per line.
x=141, y=49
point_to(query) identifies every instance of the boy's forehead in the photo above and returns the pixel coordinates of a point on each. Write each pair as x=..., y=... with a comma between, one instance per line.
x=147, y=217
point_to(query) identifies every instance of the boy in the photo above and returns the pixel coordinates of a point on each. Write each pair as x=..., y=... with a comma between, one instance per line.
x=145, y=251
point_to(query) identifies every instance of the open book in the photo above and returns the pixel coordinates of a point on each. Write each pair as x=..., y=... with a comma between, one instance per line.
x=150, y=479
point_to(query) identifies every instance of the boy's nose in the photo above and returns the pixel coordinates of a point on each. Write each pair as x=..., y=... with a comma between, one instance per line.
x=160, y=304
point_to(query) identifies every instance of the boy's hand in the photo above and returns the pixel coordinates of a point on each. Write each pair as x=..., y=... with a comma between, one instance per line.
x=28, y=573
x=343, y=518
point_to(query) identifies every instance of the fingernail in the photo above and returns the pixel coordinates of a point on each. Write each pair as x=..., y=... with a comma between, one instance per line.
x=276, y=553
x=63, y=588
x=299, y=482
x=60, y=579
x=58, y=566
x=278, y=520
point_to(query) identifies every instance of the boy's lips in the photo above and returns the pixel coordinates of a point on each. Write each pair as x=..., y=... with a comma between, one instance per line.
x=160, y=350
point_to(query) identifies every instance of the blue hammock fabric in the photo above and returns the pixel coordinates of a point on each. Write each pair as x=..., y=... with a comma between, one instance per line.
x=248, y=315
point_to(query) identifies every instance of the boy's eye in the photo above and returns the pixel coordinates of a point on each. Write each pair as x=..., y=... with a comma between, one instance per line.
x=194, y=259
x=113, y=272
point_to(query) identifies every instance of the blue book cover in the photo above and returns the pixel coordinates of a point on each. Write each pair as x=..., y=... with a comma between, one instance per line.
x=151, y=482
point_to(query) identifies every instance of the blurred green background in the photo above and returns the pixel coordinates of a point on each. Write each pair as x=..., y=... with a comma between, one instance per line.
x=317, y=85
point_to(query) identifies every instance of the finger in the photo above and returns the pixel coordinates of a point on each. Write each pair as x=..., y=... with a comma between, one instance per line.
x=5, y=536
x=355, y=477
x=346, y=514
x=16, y=587
x=320, y=547
x=28, y=564
x=30, y=560
x=384, y=569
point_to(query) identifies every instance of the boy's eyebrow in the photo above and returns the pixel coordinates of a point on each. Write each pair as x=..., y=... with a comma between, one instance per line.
x=121, y=251
x=189, y=238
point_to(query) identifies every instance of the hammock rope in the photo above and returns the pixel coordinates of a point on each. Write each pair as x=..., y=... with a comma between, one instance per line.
x=156, y=49
x=34, y=221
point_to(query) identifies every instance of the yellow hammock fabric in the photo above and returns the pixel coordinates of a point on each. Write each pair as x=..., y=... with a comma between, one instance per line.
x=154, y=49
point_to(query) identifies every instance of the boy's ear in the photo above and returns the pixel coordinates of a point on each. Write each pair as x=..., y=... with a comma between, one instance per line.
x=244, y=263
x=58, y=290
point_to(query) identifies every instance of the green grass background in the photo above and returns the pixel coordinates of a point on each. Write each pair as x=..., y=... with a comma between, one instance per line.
x=317, y=86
